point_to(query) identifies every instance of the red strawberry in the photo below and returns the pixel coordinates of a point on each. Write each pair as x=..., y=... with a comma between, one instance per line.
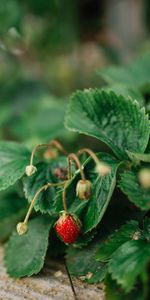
x=68, y=227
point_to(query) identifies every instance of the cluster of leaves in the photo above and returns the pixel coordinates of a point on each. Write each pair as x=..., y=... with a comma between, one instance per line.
x=32, y=34
x=115, y=241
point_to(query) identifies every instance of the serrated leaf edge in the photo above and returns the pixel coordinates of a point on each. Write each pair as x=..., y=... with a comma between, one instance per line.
x=129, y=98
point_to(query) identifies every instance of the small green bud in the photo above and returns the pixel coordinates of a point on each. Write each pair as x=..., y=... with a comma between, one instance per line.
x=30, y=170
x=22, y=228
x=84, y=189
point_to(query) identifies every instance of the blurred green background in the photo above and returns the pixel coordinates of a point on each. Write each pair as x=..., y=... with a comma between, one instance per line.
x=48, y=49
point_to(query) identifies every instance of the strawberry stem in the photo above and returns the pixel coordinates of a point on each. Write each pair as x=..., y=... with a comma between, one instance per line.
x=73, y=157
x=90, y=152
x=53, y=143
x=44, y=187
x=64, y=196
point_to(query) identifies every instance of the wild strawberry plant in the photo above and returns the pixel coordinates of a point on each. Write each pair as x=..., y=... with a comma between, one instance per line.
x=91, y=207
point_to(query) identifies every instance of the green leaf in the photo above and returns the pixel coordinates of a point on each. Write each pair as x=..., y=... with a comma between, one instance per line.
x=12, y=209
x=13, y=160
x=117, y=121
x=129, y=184
x=113, y=291
x=25, y=255
x=10, y=16
x=44, y=174
x=135, y=75
x=146, y=231
x=126, y=91
x=30, y=125
x=91, y=211
x=81, y=262
x=85, y=239
x=128, y=262
x=137, y=157
x=113, y=242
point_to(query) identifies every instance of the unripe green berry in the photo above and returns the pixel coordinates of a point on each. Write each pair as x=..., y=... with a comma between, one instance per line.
x=84, y=189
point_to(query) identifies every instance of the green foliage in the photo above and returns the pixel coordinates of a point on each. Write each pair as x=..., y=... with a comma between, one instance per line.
x=129, y=184
x=127, y=253
x=135, y=75
x=81, y=262
x=24, y=255
x=91, y=211
x=117, y=121
x=126, y=91
x=113, y=291
x=128, y=262
x=29, y=122
x=12, y=209
x=58, y=30
x=44, y=174
x=146, y=228
x=10, y=15
x=137, y=157
x=112, y=243
x=85, y=239
x=13, y=160
x=103, y=188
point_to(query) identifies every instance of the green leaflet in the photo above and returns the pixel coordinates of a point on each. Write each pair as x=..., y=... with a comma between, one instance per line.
x=146, y=230
x=117, y=121
x=126, y=91
x=11, y=16
x=81, y=262
x=113, y=291
x=25, y=255
x=134, y=75
x=12, y=210
x=85, y=239
x=137, y=157
x=13, y=159
x=45, y=124
x=128, y=262
x=113, y=242
x=130, y=185
x=91, y=211
x=44, y=174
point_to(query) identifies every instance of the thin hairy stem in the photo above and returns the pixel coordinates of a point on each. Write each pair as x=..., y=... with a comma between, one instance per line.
x=90, y=152
x=53, y=143
x=73, y=157
x=69, y=168
x=59, y=146
x=44, y=187
x=64, y=195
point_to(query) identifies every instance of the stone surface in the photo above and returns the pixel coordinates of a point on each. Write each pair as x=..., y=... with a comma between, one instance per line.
x=51, y=284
